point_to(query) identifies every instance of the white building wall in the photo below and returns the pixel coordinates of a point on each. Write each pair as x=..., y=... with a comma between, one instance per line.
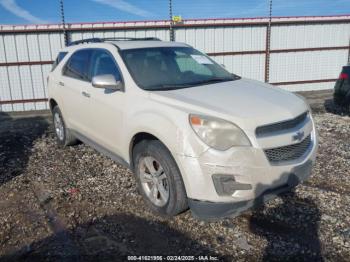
x=310, y=35
x=239, y=44
x=298, y=66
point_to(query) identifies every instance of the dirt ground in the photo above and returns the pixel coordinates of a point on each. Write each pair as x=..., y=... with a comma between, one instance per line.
x=73, y=204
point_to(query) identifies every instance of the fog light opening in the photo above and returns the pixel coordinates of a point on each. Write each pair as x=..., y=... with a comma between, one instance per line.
x=226, y=185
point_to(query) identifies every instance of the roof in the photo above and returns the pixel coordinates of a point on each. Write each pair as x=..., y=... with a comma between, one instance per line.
x=146, y=44
x=124, y=45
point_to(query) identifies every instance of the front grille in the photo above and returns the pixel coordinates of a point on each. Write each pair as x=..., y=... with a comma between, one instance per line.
x=280, y=126
x=288, y=153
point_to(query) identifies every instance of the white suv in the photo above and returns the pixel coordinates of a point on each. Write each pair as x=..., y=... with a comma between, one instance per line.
x=194, y=134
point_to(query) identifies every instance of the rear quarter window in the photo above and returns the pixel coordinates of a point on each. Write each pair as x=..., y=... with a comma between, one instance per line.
x=59, y=58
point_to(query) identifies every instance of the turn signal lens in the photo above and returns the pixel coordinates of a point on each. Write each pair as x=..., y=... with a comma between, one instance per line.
x=195, y=120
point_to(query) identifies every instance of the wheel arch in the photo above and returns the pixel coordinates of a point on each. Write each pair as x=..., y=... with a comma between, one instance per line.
x=52, y=103
x=138, y=138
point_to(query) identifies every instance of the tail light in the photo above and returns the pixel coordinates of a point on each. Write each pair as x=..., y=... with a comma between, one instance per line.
x=343, y=76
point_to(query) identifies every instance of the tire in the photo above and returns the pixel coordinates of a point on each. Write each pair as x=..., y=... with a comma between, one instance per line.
x=143, y=155
x=63, y=135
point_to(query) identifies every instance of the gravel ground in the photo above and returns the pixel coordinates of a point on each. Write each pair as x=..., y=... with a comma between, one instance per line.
x=73, y=204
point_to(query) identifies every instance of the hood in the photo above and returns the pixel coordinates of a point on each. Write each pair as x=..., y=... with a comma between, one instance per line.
x=245, y=102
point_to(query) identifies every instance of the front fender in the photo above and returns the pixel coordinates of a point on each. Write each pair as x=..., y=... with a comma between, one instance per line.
x=174, y=132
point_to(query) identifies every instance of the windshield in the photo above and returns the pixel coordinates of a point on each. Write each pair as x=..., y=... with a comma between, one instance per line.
x=167, y=68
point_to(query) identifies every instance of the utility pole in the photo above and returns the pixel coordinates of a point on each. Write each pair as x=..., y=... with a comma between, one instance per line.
x=268, y=44
x=349, y=53
x=65, y=33
x=172, y=35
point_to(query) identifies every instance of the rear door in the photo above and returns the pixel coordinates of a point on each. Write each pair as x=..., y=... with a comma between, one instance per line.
x=104, y=107
x=75, y=76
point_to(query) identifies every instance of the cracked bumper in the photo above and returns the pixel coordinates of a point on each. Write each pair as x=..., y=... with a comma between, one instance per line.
x=207, y=210
x=248, y=165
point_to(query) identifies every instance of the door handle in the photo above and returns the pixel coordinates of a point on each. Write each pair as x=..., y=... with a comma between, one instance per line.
x=85, y=94
x=61, y=83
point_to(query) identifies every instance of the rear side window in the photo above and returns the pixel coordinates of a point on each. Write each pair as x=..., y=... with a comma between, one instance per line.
x=59, y=58
x=78, y=65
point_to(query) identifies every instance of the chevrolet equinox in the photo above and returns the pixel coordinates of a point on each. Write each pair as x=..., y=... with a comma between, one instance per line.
x=194, y=135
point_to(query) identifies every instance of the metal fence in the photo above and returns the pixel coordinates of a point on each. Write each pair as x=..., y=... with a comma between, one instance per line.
x=306, y=53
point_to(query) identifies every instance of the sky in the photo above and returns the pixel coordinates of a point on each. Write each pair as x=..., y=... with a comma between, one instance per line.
x=47, y=11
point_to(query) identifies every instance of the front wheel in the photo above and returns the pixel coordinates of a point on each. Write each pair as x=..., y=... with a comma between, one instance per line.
x=159, y=179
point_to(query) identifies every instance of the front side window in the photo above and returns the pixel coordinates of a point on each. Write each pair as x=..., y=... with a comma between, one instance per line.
x=102, y=63
x=78, y=65
x=167, y=68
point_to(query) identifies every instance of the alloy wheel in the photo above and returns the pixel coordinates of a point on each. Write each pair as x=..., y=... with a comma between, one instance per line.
x=59, y=128
x=154, y=181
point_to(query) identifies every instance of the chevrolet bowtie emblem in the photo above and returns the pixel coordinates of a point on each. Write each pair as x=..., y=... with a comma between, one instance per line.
x=298, y=136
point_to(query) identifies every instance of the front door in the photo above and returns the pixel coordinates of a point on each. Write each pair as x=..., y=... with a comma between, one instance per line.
x=105, y=107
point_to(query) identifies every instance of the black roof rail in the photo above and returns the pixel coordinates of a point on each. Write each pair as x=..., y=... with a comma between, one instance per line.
x=87, y=40
x=100, y=40
x=131, y=39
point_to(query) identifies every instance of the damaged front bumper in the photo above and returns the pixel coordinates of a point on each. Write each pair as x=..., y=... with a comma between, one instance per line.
x=206, y=210
x=254, y=179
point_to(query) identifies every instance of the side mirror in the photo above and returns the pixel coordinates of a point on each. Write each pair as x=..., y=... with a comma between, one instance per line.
x=107, y=82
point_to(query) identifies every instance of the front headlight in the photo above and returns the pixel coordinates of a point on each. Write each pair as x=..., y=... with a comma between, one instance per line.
x=217, y=133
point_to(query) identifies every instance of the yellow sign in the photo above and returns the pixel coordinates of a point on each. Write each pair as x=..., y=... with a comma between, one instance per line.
x=177, y=19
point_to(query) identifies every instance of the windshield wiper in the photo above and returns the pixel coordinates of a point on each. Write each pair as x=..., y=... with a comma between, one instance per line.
x=179, y=86
x=169, y=87
x=213, y=80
